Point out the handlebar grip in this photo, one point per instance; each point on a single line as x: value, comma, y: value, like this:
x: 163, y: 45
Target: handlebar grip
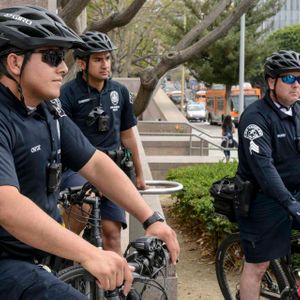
x: 136, y: 265
x: 116, y: 294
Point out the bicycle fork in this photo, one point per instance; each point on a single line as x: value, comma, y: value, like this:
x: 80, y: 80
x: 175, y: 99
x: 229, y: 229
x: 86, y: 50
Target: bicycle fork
x: 292, y: 291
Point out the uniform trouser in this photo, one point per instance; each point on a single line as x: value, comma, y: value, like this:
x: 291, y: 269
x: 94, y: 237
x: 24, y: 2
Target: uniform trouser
x: 23, y: 280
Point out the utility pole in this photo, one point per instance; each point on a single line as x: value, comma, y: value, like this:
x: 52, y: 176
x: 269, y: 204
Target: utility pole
x: 242, y: 64
x: 183, y: 72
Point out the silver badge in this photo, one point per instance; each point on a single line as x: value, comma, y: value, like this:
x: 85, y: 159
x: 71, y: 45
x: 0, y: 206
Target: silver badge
x: 114, y: 97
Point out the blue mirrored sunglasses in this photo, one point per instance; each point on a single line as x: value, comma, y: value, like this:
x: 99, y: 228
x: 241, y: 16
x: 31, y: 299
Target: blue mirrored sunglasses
x: 290, y: 79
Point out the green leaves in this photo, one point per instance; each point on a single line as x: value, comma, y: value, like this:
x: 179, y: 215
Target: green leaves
x: 194, y: 205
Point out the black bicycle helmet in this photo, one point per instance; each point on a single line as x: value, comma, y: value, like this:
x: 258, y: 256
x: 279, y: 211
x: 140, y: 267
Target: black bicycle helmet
x: 280, y: 62
x: 30, y: 27
x: 95, y: 42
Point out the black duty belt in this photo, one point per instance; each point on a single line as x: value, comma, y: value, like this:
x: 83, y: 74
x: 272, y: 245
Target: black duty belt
x: 115, y: 155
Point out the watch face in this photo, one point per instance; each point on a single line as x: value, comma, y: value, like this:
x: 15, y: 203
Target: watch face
x: 160, y: 215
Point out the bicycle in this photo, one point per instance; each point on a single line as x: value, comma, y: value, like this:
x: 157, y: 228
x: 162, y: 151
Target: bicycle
x: 90, y: 195
x: 149, y: 257
x: 279, y: 281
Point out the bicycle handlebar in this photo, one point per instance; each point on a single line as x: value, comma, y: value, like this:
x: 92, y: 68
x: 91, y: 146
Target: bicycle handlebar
x: 148, y: 259
x: 77, y: 194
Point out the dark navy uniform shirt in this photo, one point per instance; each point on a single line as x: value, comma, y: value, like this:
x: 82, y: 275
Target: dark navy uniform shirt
x: 268, y: 153
x: 115, y: 102
x: 26, y: 151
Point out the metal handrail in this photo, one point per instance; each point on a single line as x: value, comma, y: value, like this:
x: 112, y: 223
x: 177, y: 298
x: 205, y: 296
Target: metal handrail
x: 167, y: 187
x: 190, y: 135
x: 181, y: 123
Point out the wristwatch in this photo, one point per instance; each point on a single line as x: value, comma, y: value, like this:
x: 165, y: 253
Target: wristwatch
x: 156, y: 217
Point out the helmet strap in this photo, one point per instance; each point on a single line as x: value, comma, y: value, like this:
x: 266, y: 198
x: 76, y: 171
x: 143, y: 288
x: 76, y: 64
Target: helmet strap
x: 20, y: 90
x: 86, y: 72
x: 7, y: 74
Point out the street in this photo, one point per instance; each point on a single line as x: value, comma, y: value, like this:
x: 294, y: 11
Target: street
x: 216, y: 131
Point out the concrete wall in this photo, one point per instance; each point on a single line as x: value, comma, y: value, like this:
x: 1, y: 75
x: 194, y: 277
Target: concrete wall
x: 162, y: 107
x: 133, y: 84
x: 136, y: 230
x: 42, y: 3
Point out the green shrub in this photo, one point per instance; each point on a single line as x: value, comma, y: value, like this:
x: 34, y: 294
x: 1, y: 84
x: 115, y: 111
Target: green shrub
x: 194, y: 205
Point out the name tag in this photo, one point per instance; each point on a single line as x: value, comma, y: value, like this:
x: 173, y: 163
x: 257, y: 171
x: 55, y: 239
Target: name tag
x: 84, y: 100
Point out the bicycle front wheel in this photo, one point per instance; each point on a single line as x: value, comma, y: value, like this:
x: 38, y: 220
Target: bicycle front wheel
x: 229, y: 266
x: 82, y: 281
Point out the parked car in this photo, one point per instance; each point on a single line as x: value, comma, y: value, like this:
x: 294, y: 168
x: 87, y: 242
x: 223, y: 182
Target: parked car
x: 175, y: 96
x: 196, y: 111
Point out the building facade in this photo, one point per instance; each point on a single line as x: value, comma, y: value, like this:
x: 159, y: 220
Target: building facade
x: 289, y: 14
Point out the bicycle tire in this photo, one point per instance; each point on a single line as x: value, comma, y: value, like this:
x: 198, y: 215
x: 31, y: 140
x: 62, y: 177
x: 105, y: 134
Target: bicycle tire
x: 229, y: 266
x: 282, y: 269
x: 81, y: 280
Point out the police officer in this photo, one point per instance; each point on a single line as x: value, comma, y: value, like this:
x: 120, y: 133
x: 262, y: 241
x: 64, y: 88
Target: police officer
x: 269, y: 157
x: 102, y: 108
x: 36, y: 138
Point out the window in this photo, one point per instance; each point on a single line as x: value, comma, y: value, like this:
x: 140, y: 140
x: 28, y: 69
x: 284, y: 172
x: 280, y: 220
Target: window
x: 210, y: 102
x: 220, y: 103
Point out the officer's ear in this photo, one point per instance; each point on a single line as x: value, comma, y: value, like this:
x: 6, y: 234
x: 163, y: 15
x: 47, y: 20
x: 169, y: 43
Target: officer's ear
x: 14, y: 63
x: 81, y: 64
x: 271, y: 83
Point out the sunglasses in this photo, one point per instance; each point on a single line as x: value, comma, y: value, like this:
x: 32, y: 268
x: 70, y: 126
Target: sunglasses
x: 290, y: 79
x: 52, y: 57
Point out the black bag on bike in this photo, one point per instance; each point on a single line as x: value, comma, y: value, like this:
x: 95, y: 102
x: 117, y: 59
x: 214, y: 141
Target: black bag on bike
x: 225, y: 192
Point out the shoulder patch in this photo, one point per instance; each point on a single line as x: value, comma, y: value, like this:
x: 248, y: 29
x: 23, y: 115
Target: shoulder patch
x: 252, y: 132
x: 56, y: 104
x: 131, y: 97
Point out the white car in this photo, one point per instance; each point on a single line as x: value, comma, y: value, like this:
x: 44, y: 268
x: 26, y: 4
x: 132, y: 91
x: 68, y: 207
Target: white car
x: 196, y: 111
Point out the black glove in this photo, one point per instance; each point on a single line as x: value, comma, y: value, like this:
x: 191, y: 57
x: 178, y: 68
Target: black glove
x: 294, y: 209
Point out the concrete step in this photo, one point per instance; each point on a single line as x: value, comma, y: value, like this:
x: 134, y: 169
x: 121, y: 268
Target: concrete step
x: 174, y: 147
x: 161, y: 164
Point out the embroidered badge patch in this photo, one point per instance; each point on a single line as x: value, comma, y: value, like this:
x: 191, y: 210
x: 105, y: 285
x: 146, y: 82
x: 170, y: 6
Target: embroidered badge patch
x: 251, y: 133
x: 56, y: 104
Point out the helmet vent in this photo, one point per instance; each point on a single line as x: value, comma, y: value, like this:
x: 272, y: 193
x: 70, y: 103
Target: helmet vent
x: 30, y: 16
x: 32, y: 32
x: 51, y: 29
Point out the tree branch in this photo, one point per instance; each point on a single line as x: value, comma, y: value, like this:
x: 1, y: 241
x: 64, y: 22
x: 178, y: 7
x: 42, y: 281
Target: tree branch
x: 174, y: 58
x: 198, y: 29
x: 72, y: 10
x: 150, y: 77
x: 118, y: 19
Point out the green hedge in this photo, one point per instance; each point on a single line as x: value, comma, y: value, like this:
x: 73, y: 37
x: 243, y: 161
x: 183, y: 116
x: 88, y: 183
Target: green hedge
x: 194, y: 205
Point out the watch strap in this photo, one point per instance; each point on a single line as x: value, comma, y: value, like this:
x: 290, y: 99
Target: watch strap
x: 156, y: 217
